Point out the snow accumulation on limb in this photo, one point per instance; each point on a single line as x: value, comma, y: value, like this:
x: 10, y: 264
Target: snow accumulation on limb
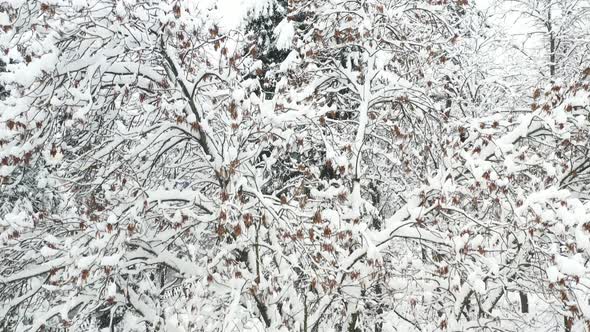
x: 35, y: 271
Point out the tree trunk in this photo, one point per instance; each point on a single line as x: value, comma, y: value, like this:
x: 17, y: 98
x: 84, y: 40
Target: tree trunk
x: 524, y: 302
x: 551, y: 43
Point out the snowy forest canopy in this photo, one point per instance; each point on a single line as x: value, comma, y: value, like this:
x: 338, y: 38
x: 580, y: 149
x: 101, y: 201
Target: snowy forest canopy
x: 301, y: 165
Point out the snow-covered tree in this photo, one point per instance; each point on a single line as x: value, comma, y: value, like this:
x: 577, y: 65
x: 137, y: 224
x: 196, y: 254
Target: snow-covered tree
x: 388, y: 86
x: 141, y: 113
x: 360, y: 165
x: 553, y: 35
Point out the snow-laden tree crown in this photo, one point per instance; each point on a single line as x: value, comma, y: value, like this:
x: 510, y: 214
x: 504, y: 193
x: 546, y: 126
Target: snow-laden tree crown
x: 304, y: 165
